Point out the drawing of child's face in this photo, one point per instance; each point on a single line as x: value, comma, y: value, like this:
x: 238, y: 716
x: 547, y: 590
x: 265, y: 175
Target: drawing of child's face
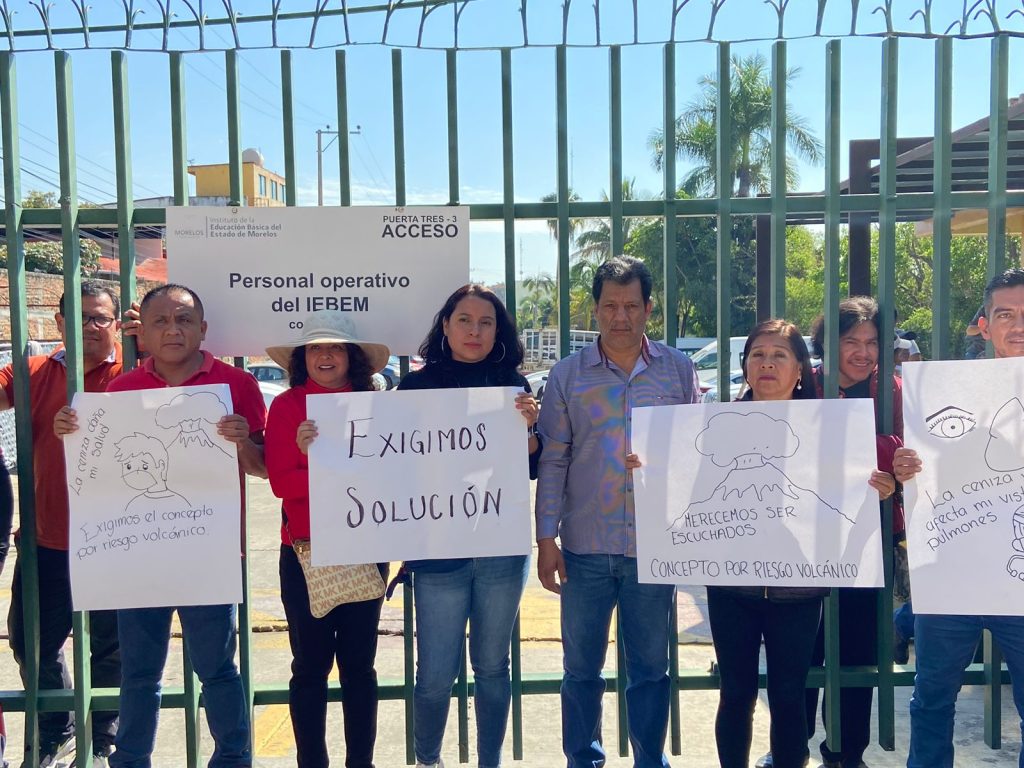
x: 141, y: 472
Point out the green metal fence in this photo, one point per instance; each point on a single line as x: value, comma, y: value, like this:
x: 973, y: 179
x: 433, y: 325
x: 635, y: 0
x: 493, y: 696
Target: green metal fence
x: 833, y: 206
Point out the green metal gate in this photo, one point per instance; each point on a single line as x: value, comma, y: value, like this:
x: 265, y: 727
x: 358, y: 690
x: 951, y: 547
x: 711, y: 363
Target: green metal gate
x: 834, y: 208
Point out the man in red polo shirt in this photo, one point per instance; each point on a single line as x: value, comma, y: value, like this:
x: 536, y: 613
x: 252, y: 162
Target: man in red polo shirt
x: 172, y: 333
x: 47, y: 381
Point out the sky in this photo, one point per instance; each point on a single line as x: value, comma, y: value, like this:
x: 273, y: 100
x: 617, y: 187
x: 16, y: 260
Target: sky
x: 484, y: 23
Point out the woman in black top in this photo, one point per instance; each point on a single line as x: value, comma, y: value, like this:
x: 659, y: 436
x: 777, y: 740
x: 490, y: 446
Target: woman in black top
x: 776, y: 366
x: 473, y: 343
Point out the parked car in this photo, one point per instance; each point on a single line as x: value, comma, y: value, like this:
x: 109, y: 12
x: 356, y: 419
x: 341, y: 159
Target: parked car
x: 691, y: 345
x: 538, y: 380
x: 271, y: 390
x: 706, y: 361
x: 709, y: 390
x: 269, y: 372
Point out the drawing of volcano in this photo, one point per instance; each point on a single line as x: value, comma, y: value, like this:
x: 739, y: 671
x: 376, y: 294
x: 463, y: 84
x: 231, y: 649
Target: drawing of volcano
x: 745, y: 443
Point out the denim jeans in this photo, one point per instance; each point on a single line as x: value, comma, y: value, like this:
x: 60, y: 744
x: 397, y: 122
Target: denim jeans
x: 209, y: 632
x: 945, y: 646
x: 348, y: 635
x: 596, y: 584
x: 54, y: 629
x: 789, y: 628
x: 903, y: 620
x: 486, y: 593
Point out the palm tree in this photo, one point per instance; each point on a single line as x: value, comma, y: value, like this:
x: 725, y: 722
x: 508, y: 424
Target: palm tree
x: 540, y: 299
x: 574, y: 224
x: 751, y: 113
x: 595, y: 243
x: 593, y: 248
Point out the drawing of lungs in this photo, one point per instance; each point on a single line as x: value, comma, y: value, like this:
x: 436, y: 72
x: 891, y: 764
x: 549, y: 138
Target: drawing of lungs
x: 1015, y: 565
x: 1005, y: 438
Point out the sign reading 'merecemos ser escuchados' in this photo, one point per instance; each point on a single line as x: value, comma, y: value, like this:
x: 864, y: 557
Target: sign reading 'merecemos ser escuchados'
x: 260, y: 271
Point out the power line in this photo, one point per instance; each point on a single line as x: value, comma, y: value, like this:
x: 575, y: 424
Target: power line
x: 81, y: 160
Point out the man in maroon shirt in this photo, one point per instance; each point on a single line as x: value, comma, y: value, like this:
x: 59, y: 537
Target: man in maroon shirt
x: 172, y: 333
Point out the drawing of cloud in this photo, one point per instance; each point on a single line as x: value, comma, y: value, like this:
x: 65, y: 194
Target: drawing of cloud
x: 202, y: 406
x: 1005, y: 436
x: 730, y: 435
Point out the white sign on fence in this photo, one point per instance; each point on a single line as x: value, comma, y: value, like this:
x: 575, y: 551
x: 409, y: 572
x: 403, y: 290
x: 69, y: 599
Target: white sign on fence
x: 767, y: 493
x: 260, y: 271
x: 419, y: 474
x: 154, y: 500
x: 965, y: 510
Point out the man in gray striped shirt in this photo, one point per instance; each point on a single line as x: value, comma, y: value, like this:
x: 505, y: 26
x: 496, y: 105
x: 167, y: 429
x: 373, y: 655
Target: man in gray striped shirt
x: 585, y: 498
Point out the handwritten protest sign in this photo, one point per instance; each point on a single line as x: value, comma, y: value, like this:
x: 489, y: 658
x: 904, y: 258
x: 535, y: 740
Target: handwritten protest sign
x: 261, y: 271
x: 155, y: 504
x: 418, y: 475
x: 767, y: 493
x: 965, y: 510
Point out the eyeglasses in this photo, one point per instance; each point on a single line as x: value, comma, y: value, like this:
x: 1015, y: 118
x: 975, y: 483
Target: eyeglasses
x: 100, y: 321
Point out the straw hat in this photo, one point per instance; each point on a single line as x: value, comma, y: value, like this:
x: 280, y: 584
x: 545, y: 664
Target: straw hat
x: 329, y: 326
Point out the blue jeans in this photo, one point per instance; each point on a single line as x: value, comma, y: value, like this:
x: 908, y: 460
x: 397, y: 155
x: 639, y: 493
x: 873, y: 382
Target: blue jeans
x: 486, y: 593
x: 945, y: 646
x: 209, y: 632
x: 596, y: 584
x: 903, y: 620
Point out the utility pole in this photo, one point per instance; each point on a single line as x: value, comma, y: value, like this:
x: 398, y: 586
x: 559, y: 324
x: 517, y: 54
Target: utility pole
x: 320, y: 133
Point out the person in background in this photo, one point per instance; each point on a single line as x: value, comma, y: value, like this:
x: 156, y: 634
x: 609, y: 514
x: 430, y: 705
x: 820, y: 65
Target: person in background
x: 776, y: 366
x: 974, y: 341
x: 585, y: 499
x: 859, y: 323
x: 901, y: 352
x: 172, y: 332
x: 945, y: 644
x: 472, y: 343
x: 326, y: 357
x: 48, y: 392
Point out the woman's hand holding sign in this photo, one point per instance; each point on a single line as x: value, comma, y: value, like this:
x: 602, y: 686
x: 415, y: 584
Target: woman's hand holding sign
x: 305, y: 435
x: 884, y: 483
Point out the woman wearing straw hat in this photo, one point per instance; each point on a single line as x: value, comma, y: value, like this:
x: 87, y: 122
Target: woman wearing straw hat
x: 326, y: 357
x: 472, y: 343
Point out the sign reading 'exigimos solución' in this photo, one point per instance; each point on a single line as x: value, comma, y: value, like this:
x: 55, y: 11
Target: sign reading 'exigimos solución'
x: 260, y: 271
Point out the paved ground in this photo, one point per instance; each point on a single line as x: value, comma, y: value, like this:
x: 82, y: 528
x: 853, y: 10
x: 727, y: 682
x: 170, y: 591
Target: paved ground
x: 541, y: 653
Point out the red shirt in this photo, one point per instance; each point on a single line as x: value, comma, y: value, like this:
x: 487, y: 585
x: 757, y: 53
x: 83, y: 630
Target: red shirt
x: 48, y: 393
x: 246, y: 398
x: 287, y: 466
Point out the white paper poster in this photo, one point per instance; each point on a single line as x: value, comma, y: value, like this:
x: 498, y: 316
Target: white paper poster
x: 261, y: 271
x: 965, y: 510
x: 418, y: 474
x: 154, y: 499
x: 767, y: 493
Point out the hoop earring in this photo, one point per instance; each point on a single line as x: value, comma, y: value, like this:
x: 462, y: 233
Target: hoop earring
x: 502, y: 352
x: 443, y: 339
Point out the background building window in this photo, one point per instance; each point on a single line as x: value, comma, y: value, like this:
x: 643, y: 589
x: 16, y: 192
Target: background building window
x: 273, y: 189
x: 263, y: 185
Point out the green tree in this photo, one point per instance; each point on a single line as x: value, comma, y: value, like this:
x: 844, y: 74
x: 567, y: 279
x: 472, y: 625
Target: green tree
x: 593, y: 248
x: 37, y: 199
x: 695, y: 273
x: 539, y: 302
x: 48, y: 255
x: 696, y: 132
x: 805, y: 279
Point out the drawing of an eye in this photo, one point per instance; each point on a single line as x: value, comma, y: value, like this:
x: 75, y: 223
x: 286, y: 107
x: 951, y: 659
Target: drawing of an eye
x: 951, y: 422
